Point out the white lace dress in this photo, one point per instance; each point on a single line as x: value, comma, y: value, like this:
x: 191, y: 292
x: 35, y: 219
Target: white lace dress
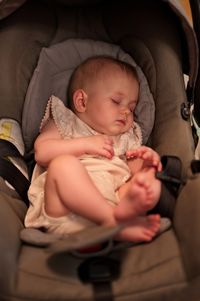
x: 108, y: 175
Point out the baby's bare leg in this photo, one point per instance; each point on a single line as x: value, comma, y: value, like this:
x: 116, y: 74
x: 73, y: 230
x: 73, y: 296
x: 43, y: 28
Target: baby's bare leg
x: 69, y: 188
x: 138, y: 195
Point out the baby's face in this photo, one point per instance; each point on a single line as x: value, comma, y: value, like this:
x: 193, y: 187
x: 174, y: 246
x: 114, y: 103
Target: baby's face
x: 111, y: 102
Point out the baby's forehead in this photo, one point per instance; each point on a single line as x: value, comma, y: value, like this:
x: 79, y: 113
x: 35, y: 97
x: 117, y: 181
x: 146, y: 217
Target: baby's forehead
x: 110, y: 66
x: 102, y: 70
x: 113, y: 70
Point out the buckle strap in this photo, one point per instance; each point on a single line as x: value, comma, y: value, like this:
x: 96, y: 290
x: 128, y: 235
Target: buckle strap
x: 10, y: 172
x: 8, y: 149
x: 171, y: 173
x: 100, y: 272
x: 195, y: 166
x: 12, y: 175
x: 171, y: 182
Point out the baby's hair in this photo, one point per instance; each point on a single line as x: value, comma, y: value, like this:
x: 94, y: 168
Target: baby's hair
x: 89, y: 70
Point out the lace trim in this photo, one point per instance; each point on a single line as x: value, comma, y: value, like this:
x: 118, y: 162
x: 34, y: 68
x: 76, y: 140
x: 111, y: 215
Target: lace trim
x: 56, y: 110
x: 65, y: 120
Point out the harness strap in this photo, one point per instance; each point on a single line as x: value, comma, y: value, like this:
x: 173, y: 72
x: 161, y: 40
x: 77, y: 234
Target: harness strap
x: 195, y: 166
x: 10, y: 172
x: 171, y: 180
x: 171, y: 172
x: 100, y: 272
x: 8, y: 149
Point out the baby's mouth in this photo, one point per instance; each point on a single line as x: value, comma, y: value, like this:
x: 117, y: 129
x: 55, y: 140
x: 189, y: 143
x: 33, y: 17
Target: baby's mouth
x: 121, y: 121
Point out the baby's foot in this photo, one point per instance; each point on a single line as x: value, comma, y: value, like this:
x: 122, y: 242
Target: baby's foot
x: 142, y: 229
x: 138, y: 196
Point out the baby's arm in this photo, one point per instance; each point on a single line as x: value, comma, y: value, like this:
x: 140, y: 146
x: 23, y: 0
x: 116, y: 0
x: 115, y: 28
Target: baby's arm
x: 49, y: 145
x: 143, y: 157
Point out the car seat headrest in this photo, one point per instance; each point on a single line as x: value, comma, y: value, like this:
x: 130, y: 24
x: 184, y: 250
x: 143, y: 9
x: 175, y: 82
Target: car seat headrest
x: 52, y: 74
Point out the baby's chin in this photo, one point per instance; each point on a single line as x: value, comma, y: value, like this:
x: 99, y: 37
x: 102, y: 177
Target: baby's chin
x: 113, y: 133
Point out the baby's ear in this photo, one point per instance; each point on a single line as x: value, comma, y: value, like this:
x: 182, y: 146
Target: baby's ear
x: 80, y: 100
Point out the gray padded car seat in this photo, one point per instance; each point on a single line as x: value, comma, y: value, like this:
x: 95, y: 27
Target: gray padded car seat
x: 161, y: 41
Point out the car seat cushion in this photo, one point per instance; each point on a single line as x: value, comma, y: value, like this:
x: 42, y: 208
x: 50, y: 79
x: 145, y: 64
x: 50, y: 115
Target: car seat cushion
x: 51, y: 76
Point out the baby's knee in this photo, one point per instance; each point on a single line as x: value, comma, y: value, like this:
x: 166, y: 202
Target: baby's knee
x: 62, y: 163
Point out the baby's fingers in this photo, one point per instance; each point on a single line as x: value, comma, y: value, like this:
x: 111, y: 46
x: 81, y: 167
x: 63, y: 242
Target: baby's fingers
x: 136, y: 153
x: 109, y: 148
x: 159, y: 166
x: 149, y: 155
x: 131, y: 154
x: 153, y: 159
x: 106, y: 153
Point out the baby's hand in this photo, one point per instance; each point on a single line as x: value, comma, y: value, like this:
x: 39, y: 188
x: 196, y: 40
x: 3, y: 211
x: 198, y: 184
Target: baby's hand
x: 101, y: 145
x: 150, y: 157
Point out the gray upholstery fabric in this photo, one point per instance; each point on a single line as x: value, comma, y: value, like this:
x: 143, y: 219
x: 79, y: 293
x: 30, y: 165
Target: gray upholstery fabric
x: 52, y: 74
x: 167, y: 268
x: 7, y: 7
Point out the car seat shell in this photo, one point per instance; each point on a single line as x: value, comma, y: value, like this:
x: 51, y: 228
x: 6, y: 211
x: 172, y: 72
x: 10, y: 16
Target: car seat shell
x: 169, y: 266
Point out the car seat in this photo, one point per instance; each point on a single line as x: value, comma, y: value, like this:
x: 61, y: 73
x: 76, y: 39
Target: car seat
x: 158, y: 36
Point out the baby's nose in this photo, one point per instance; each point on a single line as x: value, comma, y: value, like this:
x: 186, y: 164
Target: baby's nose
x: 126, y: 111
